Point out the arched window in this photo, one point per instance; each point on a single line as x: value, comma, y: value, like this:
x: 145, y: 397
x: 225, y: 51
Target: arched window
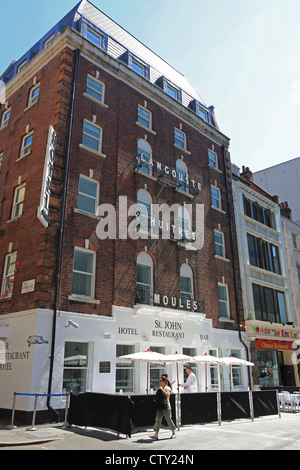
x: 184, y: 224
x: 187, y: 286
x: 144, y: 279
x: 144, y: 203
x: 182, y: 176
x: 144, y: 155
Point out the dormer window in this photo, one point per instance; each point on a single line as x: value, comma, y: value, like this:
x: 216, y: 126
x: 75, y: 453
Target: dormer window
x: 94, y: 37
x: 138, y: 67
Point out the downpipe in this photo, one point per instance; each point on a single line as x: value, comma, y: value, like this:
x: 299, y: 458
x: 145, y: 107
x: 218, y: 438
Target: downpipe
x: 234, y: 267
x: 60, y: 243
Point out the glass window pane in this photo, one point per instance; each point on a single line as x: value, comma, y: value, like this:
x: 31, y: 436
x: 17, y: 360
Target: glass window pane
x: 84, y: 261
x: 144, y: 274
x: 88, y: 187
x: 138, y: 67
x: 91, y: 130
x: 82, y: 284
x: 186, y: 284
x: 93, y: 37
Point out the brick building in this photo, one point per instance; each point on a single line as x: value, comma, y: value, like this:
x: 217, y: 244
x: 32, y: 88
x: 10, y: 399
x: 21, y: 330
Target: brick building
x: 94, y: 123
x: 270, y: 318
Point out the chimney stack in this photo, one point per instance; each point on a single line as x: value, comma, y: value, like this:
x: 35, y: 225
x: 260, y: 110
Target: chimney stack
x: 247, y: 173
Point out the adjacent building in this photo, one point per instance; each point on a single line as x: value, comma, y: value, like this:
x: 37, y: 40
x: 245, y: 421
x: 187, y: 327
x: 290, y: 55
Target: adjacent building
x: 96, y: 132
x: 284, y: 180
x: 270, y: 318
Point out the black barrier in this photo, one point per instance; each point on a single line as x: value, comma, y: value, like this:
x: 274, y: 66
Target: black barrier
x: 235, y: 405
x: 122, y: 413
x: 103, y: 411
x: 198, y: 408
x: 265, y: 403
x: 143, y: 412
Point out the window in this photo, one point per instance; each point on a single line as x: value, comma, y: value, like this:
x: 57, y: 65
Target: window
x: 219, y: 243
x: 184, y: 225
x: 83, y: 273
x: 18, y: 202
x: 223, y: 301
x: 257, y: 212
x: 180, y: 139
x: 92, y: 136
x: 156, y: 370
x: 212, y: 159
x: 34, y: 95
x: 144, y: 279
x: 202, y: 113
x: 94, y: 37
x: 124, y: 369
x: 144, y: 157
x: 216, y: 197
x: 1, y: 159
x: 88, y: 195
x: 182, y: 176
x: 95, y: 89
x: 263, y: 254
x: 22, y: 65
x: 8, y: 275
x: 144, y: 117
x: 5, y: 118
x: 294, y: 240
x: 144, y: 203
x: 298, y: 273
x: 236, y: 370
x: 269, y: 304
x: 76, y: 360
x: 138, y: 67
x: 26, y: 145
x: 50, y: 39
x: 186, y: 283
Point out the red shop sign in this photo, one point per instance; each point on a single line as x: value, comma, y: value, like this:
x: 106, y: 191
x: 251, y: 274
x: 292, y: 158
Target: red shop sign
x: 274, y: 345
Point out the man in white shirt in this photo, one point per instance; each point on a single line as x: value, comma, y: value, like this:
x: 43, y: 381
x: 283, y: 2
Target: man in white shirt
x: 191, y: 384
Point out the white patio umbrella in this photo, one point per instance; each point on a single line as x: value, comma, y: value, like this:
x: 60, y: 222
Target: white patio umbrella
x: 177, y: 358
x: 207, y: 359
x: 145, y: 356
x: 234, y: 361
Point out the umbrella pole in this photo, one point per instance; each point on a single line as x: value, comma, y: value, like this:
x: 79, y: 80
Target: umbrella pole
x: 230, y: 369
x: 206, y: 377
x: 148, y: 366
x: 178, y: 426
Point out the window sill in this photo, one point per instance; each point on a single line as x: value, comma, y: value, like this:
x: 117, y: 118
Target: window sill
x: 145, y: 128
x: 222, y: 258
x: 31, y: 105
x: 86, y: 95
x: 182, y: 149
x: 219, y: 210
x: 83, y: 300
x: 88, y: 214
x: 23, y: 156
x: 214, y: 168
x: 84, y: 147
x: 14, y: 218
x: 226, y: 320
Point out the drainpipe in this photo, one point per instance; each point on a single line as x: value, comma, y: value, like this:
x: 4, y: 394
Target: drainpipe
x: 234, y: 267
x: 61, y: 234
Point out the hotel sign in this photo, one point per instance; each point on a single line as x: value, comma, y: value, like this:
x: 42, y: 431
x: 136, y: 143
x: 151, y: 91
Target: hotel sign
x: 43, y: 209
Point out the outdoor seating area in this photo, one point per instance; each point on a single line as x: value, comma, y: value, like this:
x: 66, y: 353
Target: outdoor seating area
x: 289, y: 402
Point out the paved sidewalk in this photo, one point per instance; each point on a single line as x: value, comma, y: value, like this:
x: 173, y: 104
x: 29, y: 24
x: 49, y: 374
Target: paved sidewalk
x: 266, y: 433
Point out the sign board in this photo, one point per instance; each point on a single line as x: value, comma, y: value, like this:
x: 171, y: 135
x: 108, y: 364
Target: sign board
x: 43, y: 209
x: 274, y: 345
x: 28, y: 286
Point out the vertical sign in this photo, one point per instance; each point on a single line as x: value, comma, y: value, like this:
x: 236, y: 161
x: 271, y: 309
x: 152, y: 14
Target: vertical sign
x: 43, y: 209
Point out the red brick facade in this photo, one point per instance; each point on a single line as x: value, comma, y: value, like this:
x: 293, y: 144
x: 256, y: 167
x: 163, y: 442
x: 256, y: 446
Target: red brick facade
x: 115, y: 277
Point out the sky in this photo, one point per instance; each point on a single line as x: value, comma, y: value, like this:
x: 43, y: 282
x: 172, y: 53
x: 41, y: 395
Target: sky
x: 242, y: 56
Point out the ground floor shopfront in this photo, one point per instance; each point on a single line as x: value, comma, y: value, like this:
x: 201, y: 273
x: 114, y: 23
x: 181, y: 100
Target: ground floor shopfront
x: 273, y: 349
x: 87, y: 348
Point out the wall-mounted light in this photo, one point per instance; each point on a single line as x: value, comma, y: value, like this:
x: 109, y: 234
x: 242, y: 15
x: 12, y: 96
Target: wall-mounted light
x: 71, y: 323
x: 107, y: 336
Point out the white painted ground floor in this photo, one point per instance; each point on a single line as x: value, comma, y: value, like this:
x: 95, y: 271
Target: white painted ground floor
x: 87, y: 348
